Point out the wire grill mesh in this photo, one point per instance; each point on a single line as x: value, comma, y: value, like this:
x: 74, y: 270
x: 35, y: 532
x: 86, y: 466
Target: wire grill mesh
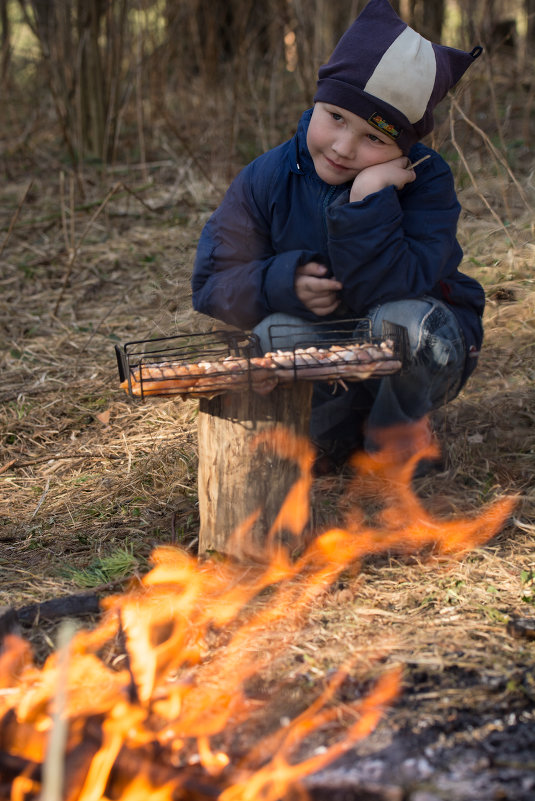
x: 344, y: 350
x: 175, y: 365
x: 223, y: 361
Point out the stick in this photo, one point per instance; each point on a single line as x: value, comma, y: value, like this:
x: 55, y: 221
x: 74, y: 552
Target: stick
x: 77, y: 605
x: 54, y: 764
x: 497, y: 155
x: 15, y: 464
x: 472, y: 178
x: 415, y: 163
x: 62, y: 209
x: 145, y: 205
x: 41, y: 499
x: 66, y: 606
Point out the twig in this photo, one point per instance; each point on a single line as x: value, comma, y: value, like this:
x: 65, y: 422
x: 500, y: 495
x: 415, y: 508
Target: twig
x: 76, y: 247
x: 15, y: 217
x: 134, y: 194
x: 491, y: 83
x: 471, y: 176
x: 53, y: 766
x: 415, y: 163
x: 173, y: 527
x: 72, y: 212
x: 56, y: 457
x: 53, y: 218
x: 75, y: 605
x: 65, y: 606
x: 185, y: 144
x: 41, y: 499
x: 7, y: 466
x: 497, y: 155
x: 62, y: 210
x: 129, y: 454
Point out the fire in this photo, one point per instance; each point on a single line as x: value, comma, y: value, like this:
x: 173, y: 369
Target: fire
x: 152, y: 702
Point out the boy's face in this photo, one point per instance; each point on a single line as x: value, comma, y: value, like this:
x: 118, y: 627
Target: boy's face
x: 342, y: 144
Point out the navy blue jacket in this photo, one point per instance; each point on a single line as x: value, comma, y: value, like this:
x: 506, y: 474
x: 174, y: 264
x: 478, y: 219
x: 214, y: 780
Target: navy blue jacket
x: 278, y: 214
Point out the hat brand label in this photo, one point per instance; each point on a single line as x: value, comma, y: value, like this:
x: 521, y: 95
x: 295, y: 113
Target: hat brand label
x: 379, y: 122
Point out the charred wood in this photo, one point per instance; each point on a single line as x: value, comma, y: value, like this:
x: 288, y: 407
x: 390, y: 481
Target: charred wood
x: 53, y: 609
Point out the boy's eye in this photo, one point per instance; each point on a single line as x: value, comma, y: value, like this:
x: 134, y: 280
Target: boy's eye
x: 374, y: 138
x: 336, y: 116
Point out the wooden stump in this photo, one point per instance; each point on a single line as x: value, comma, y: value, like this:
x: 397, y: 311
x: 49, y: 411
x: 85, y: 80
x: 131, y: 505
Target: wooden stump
x: 243, y: 484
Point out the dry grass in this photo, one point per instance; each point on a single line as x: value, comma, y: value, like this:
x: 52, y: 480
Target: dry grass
x: 87, y: 476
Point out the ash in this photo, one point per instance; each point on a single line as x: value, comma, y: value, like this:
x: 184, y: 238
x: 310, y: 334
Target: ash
x: 476, y: 760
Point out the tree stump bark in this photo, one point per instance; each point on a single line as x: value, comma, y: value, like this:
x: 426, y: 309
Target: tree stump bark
x: 248, y: 466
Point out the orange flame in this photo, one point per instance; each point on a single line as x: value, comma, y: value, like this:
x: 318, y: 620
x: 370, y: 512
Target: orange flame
x: 153, y: 707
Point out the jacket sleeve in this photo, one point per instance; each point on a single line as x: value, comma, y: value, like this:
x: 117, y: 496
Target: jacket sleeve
x: 394, y: 245
x: 238, y: 277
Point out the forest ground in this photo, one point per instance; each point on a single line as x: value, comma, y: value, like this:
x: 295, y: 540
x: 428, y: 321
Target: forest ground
x: 91, y: 482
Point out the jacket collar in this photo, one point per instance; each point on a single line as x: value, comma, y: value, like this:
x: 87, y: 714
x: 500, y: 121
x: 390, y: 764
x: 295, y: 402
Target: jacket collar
x: 300, y: 158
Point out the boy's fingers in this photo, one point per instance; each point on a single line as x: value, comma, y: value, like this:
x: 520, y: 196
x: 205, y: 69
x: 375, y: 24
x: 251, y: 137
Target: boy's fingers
x: 327, y: 303
x: 325, y: 297
x: 322, y: 310
x: 324, y: 284
x: 319, y: 286
x: 312, y: 268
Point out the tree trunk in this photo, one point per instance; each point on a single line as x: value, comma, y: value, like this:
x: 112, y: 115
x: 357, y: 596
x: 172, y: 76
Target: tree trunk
x: 249, y: 460
x: 91, y: 79
x: 530, y: 28
x: 427, y: 17
x: 5, y: 42
x: 433, y: 19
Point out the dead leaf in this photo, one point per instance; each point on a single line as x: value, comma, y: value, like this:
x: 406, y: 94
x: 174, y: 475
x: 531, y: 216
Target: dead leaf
x: 104, y: 417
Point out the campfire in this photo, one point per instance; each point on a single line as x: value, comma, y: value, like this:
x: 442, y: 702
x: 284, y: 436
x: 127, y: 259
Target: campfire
x: 155, y: 701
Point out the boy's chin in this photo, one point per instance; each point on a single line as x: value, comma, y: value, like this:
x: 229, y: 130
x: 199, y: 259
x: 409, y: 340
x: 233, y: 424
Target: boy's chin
x: 334, y: 180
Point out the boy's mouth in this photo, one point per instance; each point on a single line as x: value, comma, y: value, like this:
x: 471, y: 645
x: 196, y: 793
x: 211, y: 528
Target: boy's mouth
x: 335, y: 165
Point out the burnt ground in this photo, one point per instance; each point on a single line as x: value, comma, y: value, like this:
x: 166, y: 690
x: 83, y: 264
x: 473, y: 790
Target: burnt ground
x: 473, y: 754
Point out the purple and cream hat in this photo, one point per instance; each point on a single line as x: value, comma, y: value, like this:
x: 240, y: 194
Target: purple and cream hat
x: 391, y: 76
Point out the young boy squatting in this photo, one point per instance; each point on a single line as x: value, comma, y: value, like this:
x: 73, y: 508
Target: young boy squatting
x: 333, y: 224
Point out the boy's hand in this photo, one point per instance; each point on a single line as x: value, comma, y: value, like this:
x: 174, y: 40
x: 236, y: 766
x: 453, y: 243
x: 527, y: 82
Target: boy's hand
x: 378, y: 176
x: 317, y: 293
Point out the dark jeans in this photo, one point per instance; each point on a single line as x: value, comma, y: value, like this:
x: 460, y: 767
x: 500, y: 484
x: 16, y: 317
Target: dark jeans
x: 432, y: 379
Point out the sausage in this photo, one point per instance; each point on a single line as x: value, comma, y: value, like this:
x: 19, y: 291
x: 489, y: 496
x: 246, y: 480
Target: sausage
x: 351, y: 361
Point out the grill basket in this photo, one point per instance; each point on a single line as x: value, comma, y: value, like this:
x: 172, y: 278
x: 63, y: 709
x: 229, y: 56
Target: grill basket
x: 164, y: 355
x: 391, y: 352
x: 207, y: 364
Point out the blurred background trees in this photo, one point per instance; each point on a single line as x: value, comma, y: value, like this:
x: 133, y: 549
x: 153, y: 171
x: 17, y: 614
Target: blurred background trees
x: 126, y: 81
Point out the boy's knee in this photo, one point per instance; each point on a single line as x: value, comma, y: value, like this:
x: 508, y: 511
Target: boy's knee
x: 441, y: 341
x: 431, y: 326
x: 280, y: 331
x: 437, y: 346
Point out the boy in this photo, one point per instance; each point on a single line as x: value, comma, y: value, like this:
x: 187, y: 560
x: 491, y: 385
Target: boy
x: 335, y: 224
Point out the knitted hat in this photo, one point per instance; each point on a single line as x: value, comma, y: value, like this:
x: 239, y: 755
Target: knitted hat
x: 391, y: 76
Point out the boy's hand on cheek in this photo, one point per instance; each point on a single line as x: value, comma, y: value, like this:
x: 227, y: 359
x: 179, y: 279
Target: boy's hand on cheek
x: 373, y: 179
x: 317, y: 293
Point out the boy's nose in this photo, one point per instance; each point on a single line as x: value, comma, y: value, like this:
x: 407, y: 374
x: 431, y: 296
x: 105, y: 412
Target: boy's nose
x: 344, y: 147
